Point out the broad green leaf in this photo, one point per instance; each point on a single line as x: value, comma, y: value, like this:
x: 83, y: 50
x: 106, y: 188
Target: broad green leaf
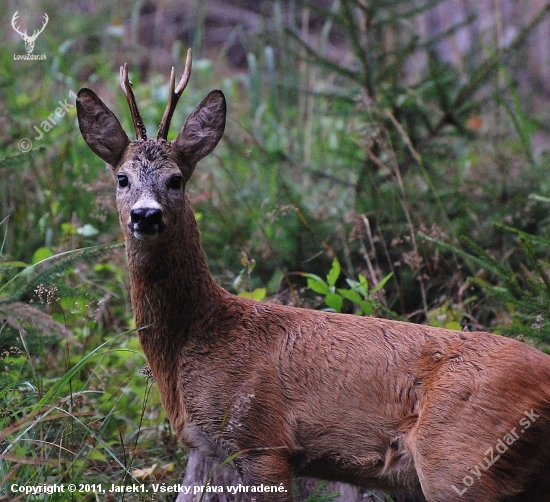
x: 366, y: 308
x: 318, y: 286
x: 352, y: 296
x: 41, y: 254
x: 334, y: 302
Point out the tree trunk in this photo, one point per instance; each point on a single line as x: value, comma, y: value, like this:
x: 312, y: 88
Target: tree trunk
x: 200, y: 467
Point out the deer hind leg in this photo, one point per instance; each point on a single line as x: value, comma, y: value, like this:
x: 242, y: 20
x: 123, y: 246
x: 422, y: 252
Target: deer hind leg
x: 472, y: 465
x: 452, y: 466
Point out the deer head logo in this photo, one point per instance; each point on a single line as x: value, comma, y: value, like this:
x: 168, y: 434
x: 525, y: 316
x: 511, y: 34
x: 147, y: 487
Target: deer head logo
x: 29, y: 40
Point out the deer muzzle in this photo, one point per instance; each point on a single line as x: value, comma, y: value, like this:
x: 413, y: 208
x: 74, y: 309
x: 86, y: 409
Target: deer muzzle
x: 146, y: 221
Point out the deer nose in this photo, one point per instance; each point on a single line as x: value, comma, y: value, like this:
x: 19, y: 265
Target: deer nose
x: 146, y: 221
x: 146, y: 216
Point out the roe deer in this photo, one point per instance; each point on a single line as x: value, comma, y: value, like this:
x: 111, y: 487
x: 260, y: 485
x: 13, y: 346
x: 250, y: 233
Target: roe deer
x: 446, y: 415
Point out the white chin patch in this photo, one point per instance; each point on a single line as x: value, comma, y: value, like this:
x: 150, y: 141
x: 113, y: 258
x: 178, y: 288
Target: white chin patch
x: 144, y: 237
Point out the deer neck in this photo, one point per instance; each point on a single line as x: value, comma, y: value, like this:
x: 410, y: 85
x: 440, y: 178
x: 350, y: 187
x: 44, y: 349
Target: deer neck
x: 174, y: 298
x: 171, y: 285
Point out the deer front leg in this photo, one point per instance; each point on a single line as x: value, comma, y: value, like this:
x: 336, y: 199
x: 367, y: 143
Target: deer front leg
x: 202, y: 469
x: 267, y: 478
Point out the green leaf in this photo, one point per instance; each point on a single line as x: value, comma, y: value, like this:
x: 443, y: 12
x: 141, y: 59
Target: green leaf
x: 96, y: 455
x: 312, y: 276
x: 257, y: 295
x: 46, y: 269
x: 41, y: 254
x: 352, y: 296
x: 334, y: 301
x: 366, y: 308
x: 382, y: 283
x: 363, y: 285
x: 68, y: 229
x: 352, y: 284
x: 12, y: 264
x: 334, y: 273
x: 453, y: 325
x: 317, y: 285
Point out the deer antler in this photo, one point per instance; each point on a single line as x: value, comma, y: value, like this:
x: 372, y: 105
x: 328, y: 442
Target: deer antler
x: 174, y: 97
x: 15, y: 27
x: 37, y: 32
x: 141, y: 133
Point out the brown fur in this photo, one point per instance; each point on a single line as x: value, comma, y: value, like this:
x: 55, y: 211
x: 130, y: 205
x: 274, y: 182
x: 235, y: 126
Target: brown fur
x: 371, y: 402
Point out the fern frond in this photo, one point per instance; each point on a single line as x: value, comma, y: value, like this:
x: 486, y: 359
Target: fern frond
x: 19, y: 316
x: 45, y: 271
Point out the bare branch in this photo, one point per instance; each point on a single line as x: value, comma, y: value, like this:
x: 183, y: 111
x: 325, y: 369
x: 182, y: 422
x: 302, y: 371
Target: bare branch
x: 174, y: 96
x: 141, y: 133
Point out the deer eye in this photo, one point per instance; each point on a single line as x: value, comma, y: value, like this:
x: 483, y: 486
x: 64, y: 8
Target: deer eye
x: 175, y: 182
x: 122, y: 181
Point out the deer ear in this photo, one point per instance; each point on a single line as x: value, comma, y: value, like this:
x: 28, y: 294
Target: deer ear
x: 202, y: 130
x: 100, y: 128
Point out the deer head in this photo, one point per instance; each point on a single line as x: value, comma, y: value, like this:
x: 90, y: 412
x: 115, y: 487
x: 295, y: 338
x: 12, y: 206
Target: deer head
x: 151, y: 174
x: 29, y: 40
